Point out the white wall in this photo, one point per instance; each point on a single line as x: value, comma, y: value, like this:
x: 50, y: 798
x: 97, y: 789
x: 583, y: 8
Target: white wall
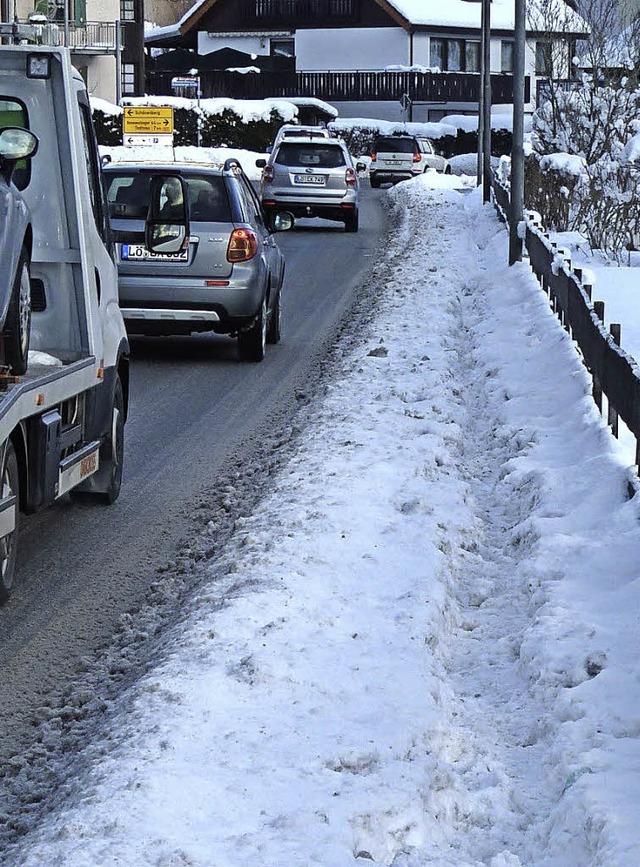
x: 349, y: 49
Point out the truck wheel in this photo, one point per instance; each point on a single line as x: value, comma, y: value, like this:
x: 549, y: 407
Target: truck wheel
x: 112, y: 449
x: 9, y: 485
x: 252, y: 342
x: 17, y: 325
x: 104, y: 486
x: 274, y: 328
x: 373, y: 180
x: 351, y: 222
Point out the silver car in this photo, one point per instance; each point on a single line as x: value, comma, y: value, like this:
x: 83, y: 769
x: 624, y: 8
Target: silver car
x: 311, y: 177
x: 16, y: 144
x: 400, y: 157
x: 228, y: 278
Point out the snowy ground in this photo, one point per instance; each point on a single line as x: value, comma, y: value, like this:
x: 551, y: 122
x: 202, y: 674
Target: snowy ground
x: 422, y: 649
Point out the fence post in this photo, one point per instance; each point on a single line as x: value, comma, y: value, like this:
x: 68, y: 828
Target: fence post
x: 598, y: 308
x: 614, y: 330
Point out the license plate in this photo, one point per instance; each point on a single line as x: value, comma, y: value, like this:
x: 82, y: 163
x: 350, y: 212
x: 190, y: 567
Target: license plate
x: 139, y: 252
x: 314, y: 180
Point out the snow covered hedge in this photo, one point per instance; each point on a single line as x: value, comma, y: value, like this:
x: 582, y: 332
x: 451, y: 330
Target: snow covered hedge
x: 583, y: 174
x: 246, y: 124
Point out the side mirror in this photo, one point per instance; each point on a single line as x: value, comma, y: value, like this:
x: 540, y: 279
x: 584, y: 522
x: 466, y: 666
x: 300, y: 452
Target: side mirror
x: 261, y: 163
x: 167, y: 225
x: 281, y: 221
x: 15, y: 144
x: 361, y: 167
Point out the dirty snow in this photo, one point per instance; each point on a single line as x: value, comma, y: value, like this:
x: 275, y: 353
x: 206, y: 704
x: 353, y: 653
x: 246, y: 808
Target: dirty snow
x: 422, y: 648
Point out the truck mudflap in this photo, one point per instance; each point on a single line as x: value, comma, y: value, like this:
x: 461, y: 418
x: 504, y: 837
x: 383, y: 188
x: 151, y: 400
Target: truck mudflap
x: 78, y: 467
x: 8, y: 513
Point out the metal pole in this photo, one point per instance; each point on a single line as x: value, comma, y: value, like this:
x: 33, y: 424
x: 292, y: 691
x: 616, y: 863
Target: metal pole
x: 118, y: 61
x: 486, y: 87
x: 517, y: 147
x: 199, y: 95
x: 66, y: 23
x: 481, y: 100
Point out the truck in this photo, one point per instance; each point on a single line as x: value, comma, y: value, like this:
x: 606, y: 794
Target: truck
x: 62, y: 418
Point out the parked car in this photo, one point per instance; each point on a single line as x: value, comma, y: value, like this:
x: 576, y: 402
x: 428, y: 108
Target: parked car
x: 16, y: 145
x: 311, y: 178
x: 227, y: 279
x: 400, y: 157
x: 294, y: 130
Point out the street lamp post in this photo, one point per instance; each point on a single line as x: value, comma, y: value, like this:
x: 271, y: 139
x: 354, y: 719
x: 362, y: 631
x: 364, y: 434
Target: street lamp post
x: 486, y: 100
x: 517, y: 147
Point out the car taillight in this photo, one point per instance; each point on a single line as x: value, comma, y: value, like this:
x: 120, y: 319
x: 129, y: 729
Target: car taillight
x: 416, y: 156
x: 350, y: 177
x: 243, y: 245
x: 374, y: 156
x: 267, y: 174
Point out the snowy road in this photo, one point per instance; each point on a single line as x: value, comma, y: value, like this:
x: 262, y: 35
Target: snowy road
x: 421, y: 649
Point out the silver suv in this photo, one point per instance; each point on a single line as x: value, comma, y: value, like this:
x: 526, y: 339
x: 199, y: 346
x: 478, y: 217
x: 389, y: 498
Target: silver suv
x: 400, y: 157
x: 16, y: 144
x: 227, y: 279
x: 311, y: 178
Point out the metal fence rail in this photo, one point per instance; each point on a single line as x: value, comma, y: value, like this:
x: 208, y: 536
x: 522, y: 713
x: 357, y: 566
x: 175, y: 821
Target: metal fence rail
x: 615, y: 374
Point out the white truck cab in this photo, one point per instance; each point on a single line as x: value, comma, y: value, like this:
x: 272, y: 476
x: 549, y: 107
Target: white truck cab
x: 62, y: 421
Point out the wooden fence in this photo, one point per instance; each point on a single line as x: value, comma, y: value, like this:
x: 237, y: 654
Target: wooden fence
x: 344, y: 86
x: 615, y: 374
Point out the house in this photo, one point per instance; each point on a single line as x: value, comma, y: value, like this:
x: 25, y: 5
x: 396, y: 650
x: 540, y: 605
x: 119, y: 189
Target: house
x: 378, y: 58
x: 105, y: 37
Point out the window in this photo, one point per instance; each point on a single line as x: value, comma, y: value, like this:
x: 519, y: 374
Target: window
x: 96, y: 192
x: 506, y: 56
x: 127, y: 10
x: 128, y: 78
x: 472, y: 56
x: 13, y: 113
x: 314, y: 155
x: 282, y: 48
x: 544, y: 64
x: 455, y: 55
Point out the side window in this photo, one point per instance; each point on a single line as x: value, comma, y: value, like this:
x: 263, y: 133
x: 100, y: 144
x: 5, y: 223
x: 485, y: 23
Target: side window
x: 14, y: 113
x: 252, y: 203
x: 96, y: 191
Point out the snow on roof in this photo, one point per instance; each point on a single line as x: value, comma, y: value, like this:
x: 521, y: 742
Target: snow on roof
x: 453, y: 13
x: 465, y: 13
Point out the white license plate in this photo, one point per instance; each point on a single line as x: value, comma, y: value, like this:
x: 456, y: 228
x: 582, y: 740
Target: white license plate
x: 138, y: 252
x: 314, y: 180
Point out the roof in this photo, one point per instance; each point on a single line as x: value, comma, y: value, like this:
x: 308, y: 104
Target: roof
x: 467, y: 13
x: 428, y: 13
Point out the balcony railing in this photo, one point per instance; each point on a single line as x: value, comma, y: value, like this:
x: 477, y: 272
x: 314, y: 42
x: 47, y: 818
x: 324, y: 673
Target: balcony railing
x: 291, y: 12
x: 92, y: 37
x: 345, y: 86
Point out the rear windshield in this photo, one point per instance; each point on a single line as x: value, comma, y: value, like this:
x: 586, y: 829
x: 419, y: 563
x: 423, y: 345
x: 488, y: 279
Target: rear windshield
x: 396, y: 145
x: 322, y: 156
x: 128, y: 195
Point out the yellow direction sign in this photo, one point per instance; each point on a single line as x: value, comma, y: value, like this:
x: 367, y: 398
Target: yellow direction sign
x: 148, y: 120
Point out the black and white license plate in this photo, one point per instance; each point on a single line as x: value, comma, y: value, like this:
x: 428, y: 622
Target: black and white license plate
x: 314, y: 180
x: 138, y: 253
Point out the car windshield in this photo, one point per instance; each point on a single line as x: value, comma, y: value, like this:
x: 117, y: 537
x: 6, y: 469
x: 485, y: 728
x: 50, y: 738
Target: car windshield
x: 396, y: 145
x: 128, y: 195
x: 312, y: 155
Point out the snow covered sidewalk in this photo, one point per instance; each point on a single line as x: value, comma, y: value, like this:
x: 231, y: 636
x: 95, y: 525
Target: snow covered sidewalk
x: 422, y: 649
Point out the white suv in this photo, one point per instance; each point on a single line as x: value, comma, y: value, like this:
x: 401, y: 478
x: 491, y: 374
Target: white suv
x: 400, y: 157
